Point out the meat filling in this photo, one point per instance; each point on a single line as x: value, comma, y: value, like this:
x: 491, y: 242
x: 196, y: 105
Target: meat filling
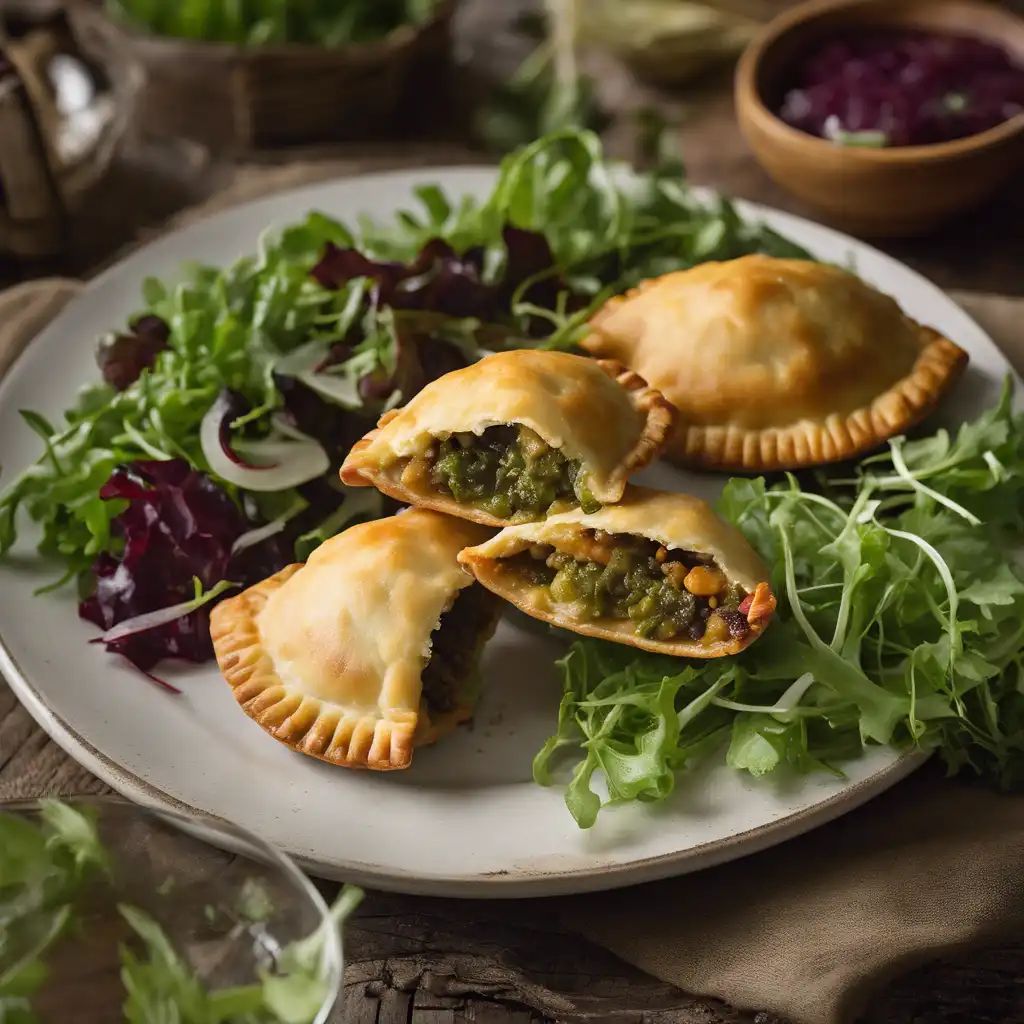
x: 667, y: 595
x: 455, y: 645
x: 506, y: 471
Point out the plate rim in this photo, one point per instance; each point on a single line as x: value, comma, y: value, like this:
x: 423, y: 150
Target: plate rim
x: 487, y: 885
x: 524, y: 882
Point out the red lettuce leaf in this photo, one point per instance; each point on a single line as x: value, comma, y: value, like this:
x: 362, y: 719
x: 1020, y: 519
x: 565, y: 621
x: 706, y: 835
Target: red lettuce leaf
x: 123, y: 357
x: 441, y: 281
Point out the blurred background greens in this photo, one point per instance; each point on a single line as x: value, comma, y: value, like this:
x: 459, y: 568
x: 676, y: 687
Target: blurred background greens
x: 263, y: 22
x: 669, y: 42
x: 663, y: 43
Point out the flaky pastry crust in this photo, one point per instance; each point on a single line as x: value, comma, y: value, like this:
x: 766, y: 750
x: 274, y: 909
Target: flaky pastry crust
x: 599, y: 412
x: 777, y: 364
x: 328, y: 657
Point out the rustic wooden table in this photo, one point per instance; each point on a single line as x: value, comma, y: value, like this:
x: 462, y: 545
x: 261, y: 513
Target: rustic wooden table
x: 428, y: 960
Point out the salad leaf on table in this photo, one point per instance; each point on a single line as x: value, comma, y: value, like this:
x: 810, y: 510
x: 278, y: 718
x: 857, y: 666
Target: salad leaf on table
x: 901, y: 621
x: 303, y: 345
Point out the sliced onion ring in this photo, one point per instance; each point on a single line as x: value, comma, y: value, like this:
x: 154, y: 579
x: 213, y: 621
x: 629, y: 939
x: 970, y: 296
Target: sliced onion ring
x: 282, y: 463
x: 162, y: 616
x: 302, y: 364
x: 261, y: 533
x: 218, y: 417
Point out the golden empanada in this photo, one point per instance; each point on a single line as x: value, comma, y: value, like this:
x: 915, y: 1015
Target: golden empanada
x: 657, y: 571
x: 776, y: 364
x: 367, y: 650
x: 514, y: 437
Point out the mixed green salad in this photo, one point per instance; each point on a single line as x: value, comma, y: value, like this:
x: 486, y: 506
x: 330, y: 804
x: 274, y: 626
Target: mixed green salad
x: 207, y: 459
x: 57, y: 879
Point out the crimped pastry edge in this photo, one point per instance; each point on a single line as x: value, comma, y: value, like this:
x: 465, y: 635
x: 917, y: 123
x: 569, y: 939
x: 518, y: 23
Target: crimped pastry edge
x: 939, y: 365
x: 305, y: 724
x: 810, y: 443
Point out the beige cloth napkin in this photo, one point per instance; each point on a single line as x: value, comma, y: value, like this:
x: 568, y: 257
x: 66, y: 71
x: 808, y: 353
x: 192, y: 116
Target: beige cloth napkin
x: 810, y: 929
x: 806, y: 930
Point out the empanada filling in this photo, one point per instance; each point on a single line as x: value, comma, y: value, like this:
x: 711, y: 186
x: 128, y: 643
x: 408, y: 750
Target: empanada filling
x: 508, y: 471
x: 455, y: 645
x: 667, y: 594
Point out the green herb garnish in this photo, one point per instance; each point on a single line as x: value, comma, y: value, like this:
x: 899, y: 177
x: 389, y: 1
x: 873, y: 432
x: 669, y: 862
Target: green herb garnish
x: 861, y: 140
x: 43, y: 870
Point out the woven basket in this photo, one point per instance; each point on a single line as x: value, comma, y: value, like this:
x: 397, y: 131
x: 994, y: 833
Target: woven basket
x: 231, y: 97
x: 40, y: 190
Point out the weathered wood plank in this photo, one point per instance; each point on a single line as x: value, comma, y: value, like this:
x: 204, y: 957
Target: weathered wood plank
x: 477, y: 953
x: 31, y: 764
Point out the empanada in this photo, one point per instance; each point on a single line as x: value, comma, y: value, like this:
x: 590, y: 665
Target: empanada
x: 657, y: 571
x: 514, y: 437
x: 367, y: 650
x: 776, y: 364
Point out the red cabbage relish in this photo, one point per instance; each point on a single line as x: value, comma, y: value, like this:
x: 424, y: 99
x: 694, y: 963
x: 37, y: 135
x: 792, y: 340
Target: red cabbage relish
x: 902, y: 88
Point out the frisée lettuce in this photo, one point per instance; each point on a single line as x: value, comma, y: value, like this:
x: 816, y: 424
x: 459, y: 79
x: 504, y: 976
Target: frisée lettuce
x: 900, y: 621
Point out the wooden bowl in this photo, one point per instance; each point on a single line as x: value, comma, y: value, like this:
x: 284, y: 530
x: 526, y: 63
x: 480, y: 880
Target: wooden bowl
x: 877, y: 193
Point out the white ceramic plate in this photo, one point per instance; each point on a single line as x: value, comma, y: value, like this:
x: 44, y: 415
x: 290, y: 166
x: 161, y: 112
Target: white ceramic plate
x: 466, y: 819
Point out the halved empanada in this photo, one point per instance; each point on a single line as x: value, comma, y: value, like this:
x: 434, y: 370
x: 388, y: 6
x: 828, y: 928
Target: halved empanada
x: 367, y: 650
x: 658, y: 571
x: 514, y: 437
x: 776, y: 364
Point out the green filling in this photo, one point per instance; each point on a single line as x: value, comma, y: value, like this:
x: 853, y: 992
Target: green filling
x: 634, y: 585
x: 509, y: 470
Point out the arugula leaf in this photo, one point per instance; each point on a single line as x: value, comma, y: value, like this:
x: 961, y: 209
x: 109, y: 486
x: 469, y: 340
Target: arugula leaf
x: 16, y: 1010
x: 74, y: 830
x: 161, y: 987
x: 751, y: 749
x: 534, y: 101
x: 619, y: 710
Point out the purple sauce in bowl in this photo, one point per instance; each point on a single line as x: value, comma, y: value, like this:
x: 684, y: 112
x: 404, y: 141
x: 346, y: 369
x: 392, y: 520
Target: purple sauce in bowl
x: 890, y: 88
